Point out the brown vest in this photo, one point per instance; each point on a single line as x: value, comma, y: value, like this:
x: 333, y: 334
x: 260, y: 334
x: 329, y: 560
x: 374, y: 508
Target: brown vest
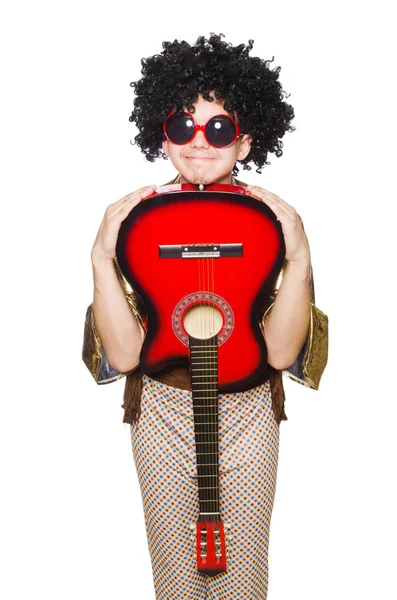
x: 179, y: 377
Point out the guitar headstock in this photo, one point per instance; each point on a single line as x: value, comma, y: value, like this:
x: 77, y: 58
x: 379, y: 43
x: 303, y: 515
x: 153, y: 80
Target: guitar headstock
x: 211, y: 541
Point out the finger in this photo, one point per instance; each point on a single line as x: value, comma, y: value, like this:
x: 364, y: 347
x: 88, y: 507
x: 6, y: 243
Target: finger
x: 147, y: 190
x: 130, y: 201
x: 271, y: 195
x: 272, y: 200
x: 278, y: 208
x: 275, y: 197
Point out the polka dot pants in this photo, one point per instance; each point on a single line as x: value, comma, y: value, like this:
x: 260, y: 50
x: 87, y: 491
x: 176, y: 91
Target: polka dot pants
x: 163, y: 446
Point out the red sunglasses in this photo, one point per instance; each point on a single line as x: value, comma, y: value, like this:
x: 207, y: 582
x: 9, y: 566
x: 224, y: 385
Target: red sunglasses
x: 220, y: 131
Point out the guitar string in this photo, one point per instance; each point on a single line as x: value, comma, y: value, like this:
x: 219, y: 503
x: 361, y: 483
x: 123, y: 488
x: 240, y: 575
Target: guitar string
x: 203, y: 447
x: 198, y: 418
x: 214, y: 403
x: 203, y: 373
x: 202, y: 419
x: 214, y: 371
x: 208, y: 385
x: 208, y: 379
x: 203, y: 458
x: 215, y: 412
x: 210, y: 394
x: 214, y: 416
x: 208, y: 420
x: 216, y: 365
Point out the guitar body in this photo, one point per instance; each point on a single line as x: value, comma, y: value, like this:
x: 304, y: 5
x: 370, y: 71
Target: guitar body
x: 150, y: 246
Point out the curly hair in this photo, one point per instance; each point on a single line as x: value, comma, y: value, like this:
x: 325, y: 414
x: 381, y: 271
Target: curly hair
x: 245, y: 84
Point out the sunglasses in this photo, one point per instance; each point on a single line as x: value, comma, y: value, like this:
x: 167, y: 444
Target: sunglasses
x: 220, y: 131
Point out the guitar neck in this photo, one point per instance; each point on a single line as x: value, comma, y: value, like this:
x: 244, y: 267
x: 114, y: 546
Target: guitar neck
x: 204, y: 374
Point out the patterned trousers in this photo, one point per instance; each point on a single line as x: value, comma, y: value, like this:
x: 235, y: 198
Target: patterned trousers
x: 163, y: 446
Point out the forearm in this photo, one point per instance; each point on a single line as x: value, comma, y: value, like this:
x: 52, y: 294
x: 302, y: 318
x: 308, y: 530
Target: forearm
x: 287, y: 324
x: 120, y: 333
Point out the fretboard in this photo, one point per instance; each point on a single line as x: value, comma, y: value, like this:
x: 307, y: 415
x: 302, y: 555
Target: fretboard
x: 204, y: 374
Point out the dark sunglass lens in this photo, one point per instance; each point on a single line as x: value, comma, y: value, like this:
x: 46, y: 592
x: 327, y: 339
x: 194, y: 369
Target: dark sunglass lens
x: 220, y: 131
x: 179, y: 128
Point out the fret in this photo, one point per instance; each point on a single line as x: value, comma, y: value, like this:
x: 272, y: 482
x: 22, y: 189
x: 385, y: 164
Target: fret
x: 207, y: 464
x: 211, y: 471
x: 207, y: 423
x: 205, y: 370
x: 209, y: 513
x: 207, y: 476
x: 213, y: 399
x: 214, y: 497
x: 209, y: 488
x: 206, y: 443
x: 205, y: 398
x: 212, y: 431
x: 206, y: 414
x: 199, y: 362
x: 200, y: 431
x: 203, y: 383
x: 200, y: 348
x: 202, y: 473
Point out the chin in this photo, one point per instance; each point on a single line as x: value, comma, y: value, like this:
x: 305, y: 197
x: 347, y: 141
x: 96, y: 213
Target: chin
x: 204, y: 177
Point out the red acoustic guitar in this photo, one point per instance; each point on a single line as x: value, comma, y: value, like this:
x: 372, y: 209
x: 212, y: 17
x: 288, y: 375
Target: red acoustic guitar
x: 202, y: 262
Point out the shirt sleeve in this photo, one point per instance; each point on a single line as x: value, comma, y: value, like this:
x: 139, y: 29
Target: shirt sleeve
x: 312, y: 359
x: 93, y: 354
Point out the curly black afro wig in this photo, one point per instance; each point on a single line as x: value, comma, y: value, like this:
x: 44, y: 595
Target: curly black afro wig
x: 245, y: 84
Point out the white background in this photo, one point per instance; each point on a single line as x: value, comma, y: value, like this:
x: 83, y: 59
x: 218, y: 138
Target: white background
x: 72, y: 523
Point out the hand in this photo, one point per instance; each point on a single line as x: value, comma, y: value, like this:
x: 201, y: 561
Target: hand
x: 104, y: 248
x: 296, y: 244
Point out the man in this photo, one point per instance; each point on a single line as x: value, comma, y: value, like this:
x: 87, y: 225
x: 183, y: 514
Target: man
x: 207, y: 107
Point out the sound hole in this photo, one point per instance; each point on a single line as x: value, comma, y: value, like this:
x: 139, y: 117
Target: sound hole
x: 203, y: 321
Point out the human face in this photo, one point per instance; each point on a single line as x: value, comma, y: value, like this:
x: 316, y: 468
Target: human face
x: 198, y: 161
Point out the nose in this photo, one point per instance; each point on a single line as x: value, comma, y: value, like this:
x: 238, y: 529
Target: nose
x: 199, y: 140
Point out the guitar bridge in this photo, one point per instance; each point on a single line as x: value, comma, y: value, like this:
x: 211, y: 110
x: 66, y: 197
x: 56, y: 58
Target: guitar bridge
x: 200, y: 250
